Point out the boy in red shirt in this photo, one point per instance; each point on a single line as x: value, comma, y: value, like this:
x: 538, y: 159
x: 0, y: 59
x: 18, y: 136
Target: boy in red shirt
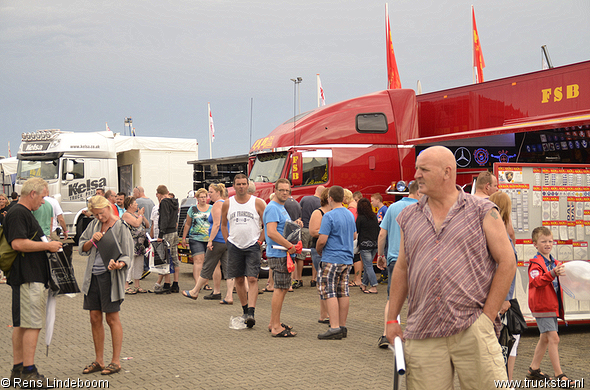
x: 546, y: 304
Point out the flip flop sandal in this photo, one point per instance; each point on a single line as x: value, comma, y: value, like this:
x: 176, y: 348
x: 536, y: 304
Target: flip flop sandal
x: 110, y: 369
x: 187, y: 293
x: 141, y: 290
x: 207, y: 288
x: 92, y: 367
x: 224, y: 302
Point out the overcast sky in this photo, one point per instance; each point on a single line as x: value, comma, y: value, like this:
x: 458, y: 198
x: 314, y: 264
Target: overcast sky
x: 74, y: 65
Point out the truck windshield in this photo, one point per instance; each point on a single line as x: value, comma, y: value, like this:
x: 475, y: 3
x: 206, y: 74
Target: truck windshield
x: 268, y: 167
x: 47, y: 170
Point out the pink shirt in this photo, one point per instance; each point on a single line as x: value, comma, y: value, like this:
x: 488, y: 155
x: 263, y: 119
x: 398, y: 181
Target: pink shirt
x: 449, y: 273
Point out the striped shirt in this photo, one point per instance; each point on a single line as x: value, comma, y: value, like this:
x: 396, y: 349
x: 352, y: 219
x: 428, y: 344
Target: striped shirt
x: 450, y: 272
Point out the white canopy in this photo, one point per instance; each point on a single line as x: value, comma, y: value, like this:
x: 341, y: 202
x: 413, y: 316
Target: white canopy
x: 124, y: 143
x: 9, y: 165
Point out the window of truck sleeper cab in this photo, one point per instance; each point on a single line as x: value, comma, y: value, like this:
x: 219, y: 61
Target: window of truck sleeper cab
x: 268, y: 167
x: 374, y: 122
x: 48, y: 170
x: 314, y: 171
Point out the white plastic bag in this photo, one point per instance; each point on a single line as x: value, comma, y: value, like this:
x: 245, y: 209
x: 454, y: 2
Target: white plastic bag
x: 237, y: 322
x: 576, y: 282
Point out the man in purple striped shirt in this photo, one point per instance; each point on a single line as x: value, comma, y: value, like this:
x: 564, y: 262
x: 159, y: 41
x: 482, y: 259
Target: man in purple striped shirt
x: 455, y: 267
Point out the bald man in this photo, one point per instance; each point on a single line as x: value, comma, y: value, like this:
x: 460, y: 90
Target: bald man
x: 455, y: 266
x: 486, y: 184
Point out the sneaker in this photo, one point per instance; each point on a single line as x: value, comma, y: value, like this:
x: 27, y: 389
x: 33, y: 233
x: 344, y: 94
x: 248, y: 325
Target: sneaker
x: 382, y: 279
x: 175, y: 289
x: 36, y: 380
x: 144, y: 275
x: 344, y: 331
x: 313, y: 283
x: 299, y: 283
x: 15, y: 374
x: 383, y: 342
x: 295, y: 284
x: 159, y: 289
x: 213, y: 297
x: 250, y: 321
x: 331, y: 334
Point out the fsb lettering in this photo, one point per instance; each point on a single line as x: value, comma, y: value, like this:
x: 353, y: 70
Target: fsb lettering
x: 571, y: 92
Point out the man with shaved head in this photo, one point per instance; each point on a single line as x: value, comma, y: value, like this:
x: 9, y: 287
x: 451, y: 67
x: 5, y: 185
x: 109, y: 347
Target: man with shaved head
x: 455, y: 267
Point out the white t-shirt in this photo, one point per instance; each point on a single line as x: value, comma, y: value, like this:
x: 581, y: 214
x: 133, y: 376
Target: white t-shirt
x: 56, y: 211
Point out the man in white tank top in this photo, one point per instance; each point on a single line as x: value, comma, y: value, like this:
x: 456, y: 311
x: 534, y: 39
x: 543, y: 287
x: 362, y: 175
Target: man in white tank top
x: 244, y: 213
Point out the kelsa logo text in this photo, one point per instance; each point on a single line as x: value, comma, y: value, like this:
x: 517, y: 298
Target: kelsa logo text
x: 90, y: 185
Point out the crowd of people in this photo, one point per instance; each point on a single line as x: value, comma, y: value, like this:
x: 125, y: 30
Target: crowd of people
x: 449, y: 254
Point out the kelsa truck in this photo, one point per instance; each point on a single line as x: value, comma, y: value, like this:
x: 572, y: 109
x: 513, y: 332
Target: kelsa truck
x: 75, y: 164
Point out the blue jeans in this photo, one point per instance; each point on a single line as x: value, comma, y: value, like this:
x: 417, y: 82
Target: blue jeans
x: 367, y: 256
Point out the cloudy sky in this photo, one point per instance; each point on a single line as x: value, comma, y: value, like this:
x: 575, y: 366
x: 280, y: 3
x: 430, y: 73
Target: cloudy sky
x: 75, y: 65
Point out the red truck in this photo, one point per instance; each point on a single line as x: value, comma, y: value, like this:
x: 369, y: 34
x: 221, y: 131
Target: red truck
x: 369, y: 143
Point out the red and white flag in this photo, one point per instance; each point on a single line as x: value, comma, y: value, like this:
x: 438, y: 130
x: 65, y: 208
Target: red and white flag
x: 478, y: 61
x: 107, y: 126
x: 393, y: 80
x: 321, y: 97
x: 211, y: 127
x: 9, y: 153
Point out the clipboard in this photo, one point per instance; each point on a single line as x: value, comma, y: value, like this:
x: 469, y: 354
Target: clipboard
x: 109, y: 248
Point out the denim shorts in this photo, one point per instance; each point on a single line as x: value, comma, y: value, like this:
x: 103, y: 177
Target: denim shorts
x: 197, y: 247
x: 243, y: 262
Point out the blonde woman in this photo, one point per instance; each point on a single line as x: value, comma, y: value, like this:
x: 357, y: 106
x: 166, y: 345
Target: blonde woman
x: 502, y: 200
x: 104, y: 287
x: 4, y: 202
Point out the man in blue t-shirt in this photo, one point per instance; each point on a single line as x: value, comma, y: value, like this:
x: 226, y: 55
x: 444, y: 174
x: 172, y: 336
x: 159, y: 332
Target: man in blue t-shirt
x: 274, y: 218
x: 335, y: 245
x: 389, y: 239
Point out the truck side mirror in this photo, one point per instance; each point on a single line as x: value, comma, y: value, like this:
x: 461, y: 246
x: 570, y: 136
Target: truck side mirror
x: 297, y: 169
x: 69, y: 177
x: 69, y: 168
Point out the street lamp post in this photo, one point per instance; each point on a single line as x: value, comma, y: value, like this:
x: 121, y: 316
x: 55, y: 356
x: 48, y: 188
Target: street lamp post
x: 296, y: 81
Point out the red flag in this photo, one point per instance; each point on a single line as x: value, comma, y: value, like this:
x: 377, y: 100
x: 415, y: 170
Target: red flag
x: 478, y: 61
x: 211, y: 127
x: 393, y: 81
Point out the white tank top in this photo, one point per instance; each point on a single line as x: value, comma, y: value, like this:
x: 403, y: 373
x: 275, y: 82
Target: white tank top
x: 244, y: 223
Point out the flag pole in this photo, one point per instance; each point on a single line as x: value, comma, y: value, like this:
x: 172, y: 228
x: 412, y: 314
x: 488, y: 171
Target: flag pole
x: 472, y: 47
x: 387, y: 41
x: 209, y: 121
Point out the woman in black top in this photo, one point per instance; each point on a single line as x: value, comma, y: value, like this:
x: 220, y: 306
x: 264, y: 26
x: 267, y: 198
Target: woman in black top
x: 367, y: 228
